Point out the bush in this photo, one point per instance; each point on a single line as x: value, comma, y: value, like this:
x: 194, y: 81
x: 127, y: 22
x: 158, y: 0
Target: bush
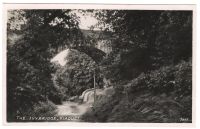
x: 77, y: 75
x: 160, y: 96
x: 147, y: 108
x: 42, y: 109
x: 165, y: 80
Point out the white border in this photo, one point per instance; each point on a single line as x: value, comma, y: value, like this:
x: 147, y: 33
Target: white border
x: 98, y: 6
x: 107, y: 1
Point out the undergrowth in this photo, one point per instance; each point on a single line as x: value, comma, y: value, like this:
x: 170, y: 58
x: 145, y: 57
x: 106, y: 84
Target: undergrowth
x: 160, y: 96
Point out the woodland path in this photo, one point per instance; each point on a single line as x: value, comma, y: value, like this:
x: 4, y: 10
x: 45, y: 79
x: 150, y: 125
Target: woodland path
x: 72, y: 109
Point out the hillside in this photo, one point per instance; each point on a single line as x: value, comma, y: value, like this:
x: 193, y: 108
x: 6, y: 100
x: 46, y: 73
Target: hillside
x: 162, y: 96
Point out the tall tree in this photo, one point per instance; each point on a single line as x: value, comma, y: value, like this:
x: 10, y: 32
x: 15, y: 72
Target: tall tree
x: 147, y: 39
x: 29, y: 70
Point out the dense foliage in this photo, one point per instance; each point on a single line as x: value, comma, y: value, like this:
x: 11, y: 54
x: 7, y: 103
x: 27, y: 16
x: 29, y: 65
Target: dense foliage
x: 151, y: 97
x: 146, y: 40
x: 29, y: 70
x: 151, y: 80
x: 77, y: 75
x: 150, y: 64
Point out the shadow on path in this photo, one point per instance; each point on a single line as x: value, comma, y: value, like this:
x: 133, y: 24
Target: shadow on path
x: 72, y: 109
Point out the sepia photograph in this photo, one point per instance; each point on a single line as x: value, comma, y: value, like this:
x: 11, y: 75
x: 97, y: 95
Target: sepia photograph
x: 109, y: 65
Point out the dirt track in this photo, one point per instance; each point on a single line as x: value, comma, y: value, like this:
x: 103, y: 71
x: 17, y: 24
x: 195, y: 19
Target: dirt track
x: 72, y: 109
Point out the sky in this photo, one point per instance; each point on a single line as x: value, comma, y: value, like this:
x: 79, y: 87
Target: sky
x: 61, y: 57
x: 86, y: 21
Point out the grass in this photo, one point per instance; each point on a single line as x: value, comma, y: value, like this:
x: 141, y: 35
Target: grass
x: 161, y: 96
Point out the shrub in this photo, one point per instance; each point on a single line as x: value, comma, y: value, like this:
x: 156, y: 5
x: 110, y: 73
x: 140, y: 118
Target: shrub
x: 165, y: 80
x: 42, y: 109
x: 160, y: 96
